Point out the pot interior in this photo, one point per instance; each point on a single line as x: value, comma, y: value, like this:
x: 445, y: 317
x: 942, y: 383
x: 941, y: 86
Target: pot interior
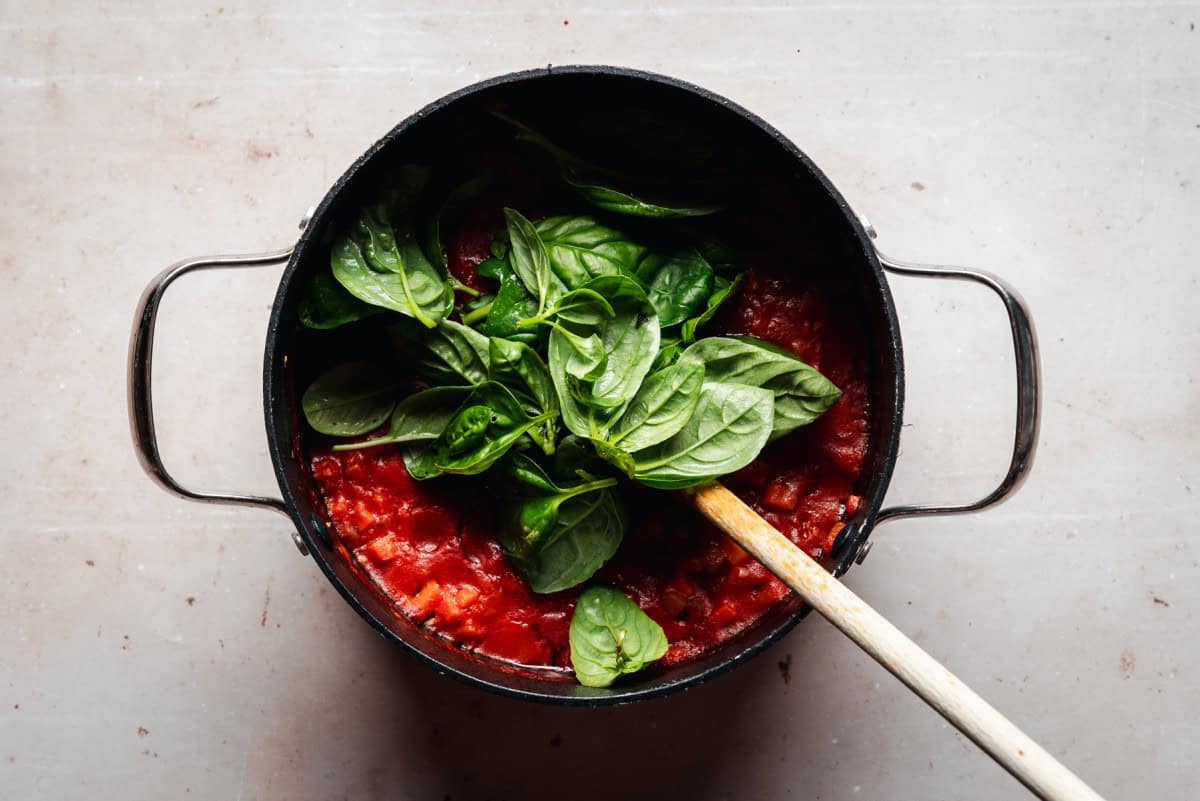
x: 647, y: 124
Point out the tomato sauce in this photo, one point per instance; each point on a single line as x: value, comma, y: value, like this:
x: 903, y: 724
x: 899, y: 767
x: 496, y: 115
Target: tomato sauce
x: 429, y: 547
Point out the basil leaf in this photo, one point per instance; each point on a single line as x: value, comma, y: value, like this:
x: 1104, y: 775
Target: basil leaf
x: 575, y: 458
x: 349, y: 400
x: 414, y: 288
x: 669, y: 352
x: 452, y: 355
x: 587, y: 532
x: 722, y: 290
x: 661, y: 407
x: 581, y: 249
x: 629, y: 339
x: 727, y: 430
x: 421, y: 417
x: 326, y: 304
x: 801, y: 393
x: 677, y: 284
x: 452, y: 210
x: 523, y: 371
x: 619, y: 202
x: 477, y: 309
x: 531, y: 263
x: 512, y: 305
x: 490, y: 422
x: 611, y: 636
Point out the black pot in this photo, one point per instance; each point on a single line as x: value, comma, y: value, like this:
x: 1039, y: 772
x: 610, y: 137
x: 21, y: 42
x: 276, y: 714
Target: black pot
x: 761, y: 161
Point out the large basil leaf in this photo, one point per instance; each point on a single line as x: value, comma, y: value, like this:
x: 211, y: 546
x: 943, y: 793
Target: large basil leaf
x: 558, y: 536
x: 490, y: 422
x: 581, y: 249
x: 618, y: 202
x: 349, y: 400
x: 677, y: 284
x: 421, y: 417
x: 531, y: 262
x: 801, y: 393
x: 729, y: 427
x: 661, y: 407
x: 452, y: 355
x: 723, y: 290
x: 522, y: 370
x: 326, y: 304
x: 415, y: 288
x: 611, y: 636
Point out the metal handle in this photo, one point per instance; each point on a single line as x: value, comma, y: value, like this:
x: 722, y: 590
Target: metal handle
x: 141, y: 351
x: 1028, y: 387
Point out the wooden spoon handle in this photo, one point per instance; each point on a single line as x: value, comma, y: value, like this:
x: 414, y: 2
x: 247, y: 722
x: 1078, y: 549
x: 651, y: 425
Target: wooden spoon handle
x: 1031, y: 764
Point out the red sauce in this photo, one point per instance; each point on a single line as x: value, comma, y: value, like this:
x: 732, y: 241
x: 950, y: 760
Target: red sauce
x: 435, y: 556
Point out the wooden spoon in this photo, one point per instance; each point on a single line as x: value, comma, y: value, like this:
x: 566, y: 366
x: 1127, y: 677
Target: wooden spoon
x: 1031, y: 764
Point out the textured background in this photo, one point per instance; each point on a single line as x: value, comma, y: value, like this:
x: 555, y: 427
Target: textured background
x: 157, y: 649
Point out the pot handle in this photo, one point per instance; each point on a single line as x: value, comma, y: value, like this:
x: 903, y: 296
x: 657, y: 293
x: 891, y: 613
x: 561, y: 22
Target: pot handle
x: 1028, y: 386
x: 141, y: 352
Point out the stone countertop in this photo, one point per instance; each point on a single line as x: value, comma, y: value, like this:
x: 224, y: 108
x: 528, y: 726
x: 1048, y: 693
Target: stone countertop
x: 159, y: 649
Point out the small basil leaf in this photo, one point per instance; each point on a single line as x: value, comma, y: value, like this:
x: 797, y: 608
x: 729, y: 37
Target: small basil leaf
x: 512, y: 305
x: 729, y: 427
x: 349, y: 400
x: 801, y: 393
x: 490, y: 422
x: 677, y: 284
x: 531, y: 263
x: 663, y: 405
x: 581, y: 249
x: 723, y: 290
x: 421, y: 417
x: 326, y: 304
x: 523, y: 371
x: 611, y: 636
x: 451, y: 355
x: 619, y: 202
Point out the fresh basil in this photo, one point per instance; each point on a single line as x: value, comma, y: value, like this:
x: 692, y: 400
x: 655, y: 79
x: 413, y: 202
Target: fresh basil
x: 611, y: 636
x: 421, y: 417
x: 349, y: 400
x: 558, y: 536
x: 414, y: 289
x: 452, y: 210
x: 723, y: 290
x: 531, y: 262
x: 522, y: 370
x: 663, y: 405
x: 730, y: 425
x: 487, y: 425
x: 618, y: 202
x: 451, y: 355
x: 678, y: 284
x: 581, y: 249
x: 801, y: 394
x: 513, y: 304
x: 326, y: 304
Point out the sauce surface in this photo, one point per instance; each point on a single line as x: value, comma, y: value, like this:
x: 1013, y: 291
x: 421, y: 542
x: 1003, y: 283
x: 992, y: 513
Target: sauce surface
x: 429, y: 548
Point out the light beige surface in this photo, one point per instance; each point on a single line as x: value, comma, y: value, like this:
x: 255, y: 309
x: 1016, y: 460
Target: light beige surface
x: 157, y: 649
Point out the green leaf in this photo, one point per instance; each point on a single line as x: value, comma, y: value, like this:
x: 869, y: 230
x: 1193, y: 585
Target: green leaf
x: 678, y: 284
x: 421, y: 417
x: 531, y: 263
x: 349, y: 400
x: 581, y: 249
x: 726, y: 432
x: 326, y: 304
x: 629, y: 339
x: 490, y: 422
x: 611, y: 637
x: 523, y: 371
x: 723, y: 290
x: 663, y: 405
x: 669, y: 352
x: 618, y: 202
x: 512, y: 305
x: 414, y: 288
x: 451, y: 355
x: 453, y: 208
x: 801, y: 394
